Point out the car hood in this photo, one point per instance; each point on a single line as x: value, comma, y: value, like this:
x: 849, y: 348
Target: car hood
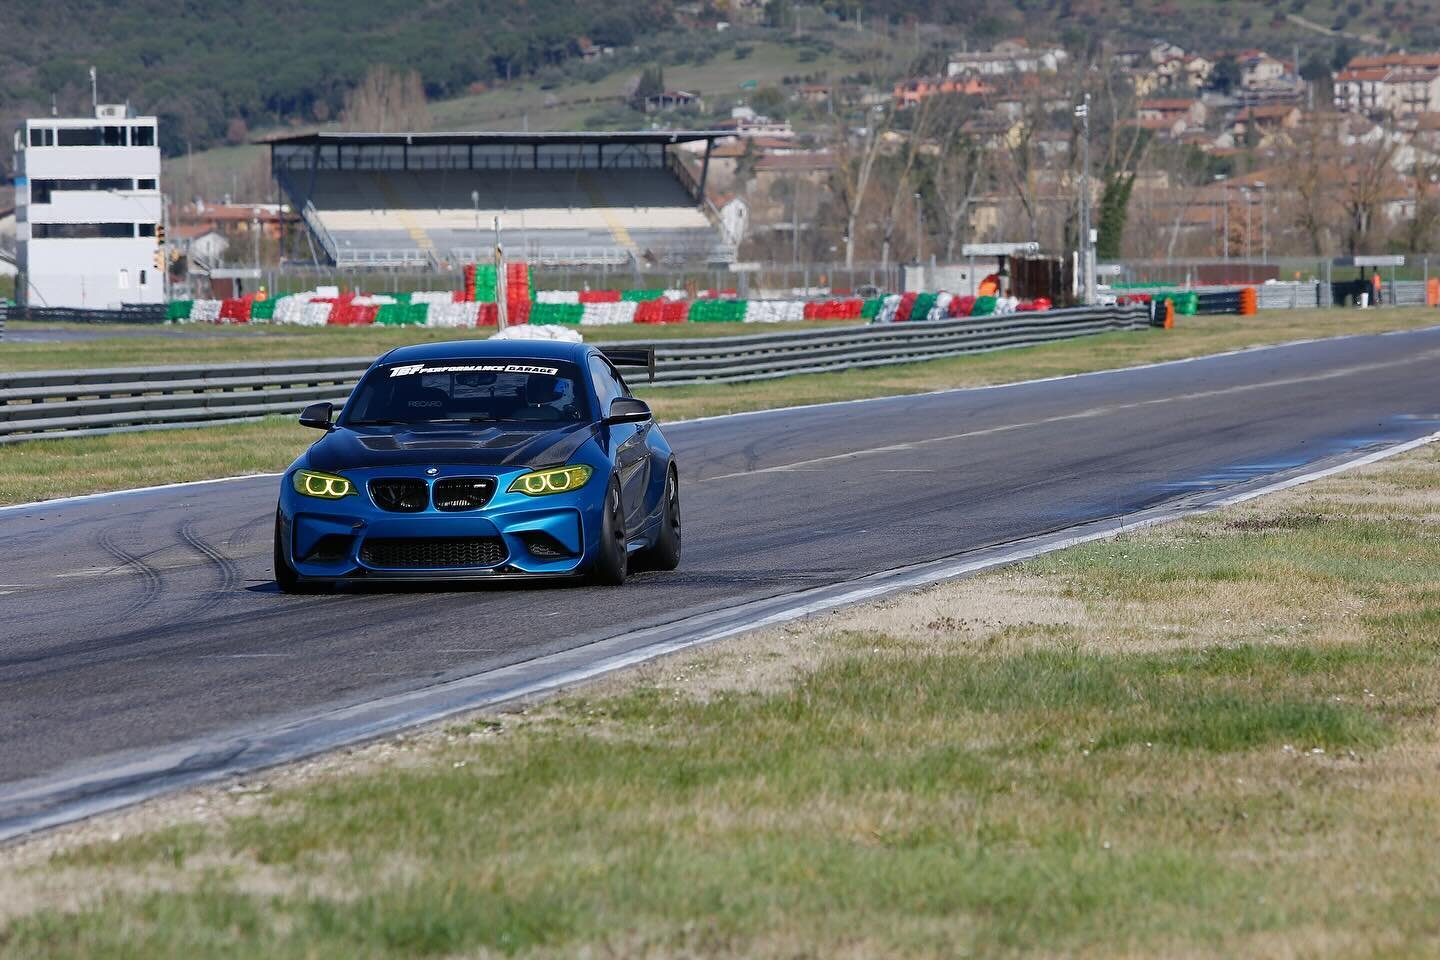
x: 502, y: 445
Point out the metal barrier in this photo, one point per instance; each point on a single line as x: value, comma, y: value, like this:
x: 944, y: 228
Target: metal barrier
x: 72, y: 403
x: 129, y: 313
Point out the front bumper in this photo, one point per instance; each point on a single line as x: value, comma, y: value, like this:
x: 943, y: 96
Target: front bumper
x: 513, y: 536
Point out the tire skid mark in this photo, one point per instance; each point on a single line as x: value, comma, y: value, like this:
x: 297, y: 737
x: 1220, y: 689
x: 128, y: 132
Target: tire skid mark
x: 227, y: 570
x: 151, y: 583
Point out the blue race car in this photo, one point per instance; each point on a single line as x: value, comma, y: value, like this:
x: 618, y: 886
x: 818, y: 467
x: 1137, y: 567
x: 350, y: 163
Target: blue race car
x: 482, y: 460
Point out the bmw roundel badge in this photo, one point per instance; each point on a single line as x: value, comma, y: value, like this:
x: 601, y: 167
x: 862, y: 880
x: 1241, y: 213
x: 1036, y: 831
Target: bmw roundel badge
x: 432, y: 471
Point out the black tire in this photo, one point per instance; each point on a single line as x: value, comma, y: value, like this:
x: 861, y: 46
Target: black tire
x: 609, y: 567
x: 285, y: 576
x: 665, y: 554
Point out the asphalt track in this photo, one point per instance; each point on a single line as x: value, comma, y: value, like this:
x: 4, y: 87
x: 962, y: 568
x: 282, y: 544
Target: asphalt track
x: 138, y: 622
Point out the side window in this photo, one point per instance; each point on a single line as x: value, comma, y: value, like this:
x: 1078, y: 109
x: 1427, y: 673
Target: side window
x: 607, y: 388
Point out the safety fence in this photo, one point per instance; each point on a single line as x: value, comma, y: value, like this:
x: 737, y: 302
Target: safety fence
x: 89, y: 402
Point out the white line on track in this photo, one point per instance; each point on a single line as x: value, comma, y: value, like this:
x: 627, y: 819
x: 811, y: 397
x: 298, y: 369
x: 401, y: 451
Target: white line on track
x: 1078, y: 415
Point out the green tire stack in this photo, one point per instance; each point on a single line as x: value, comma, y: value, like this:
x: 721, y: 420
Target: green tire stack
x: 179, y: 310
x: 485, y: 282
x: 717, y: 311
x: 984, y: 307
x: 548, y: 313
x: 640, y: 296
x: 262, y: 310
x: 923, y: 304
x: 871, y: 308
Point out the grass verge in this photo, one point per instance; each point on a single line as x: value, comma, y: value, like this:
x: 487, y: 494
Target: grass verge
x: 37, y: 470
x: 129, y: 346
x: 1208, y: 739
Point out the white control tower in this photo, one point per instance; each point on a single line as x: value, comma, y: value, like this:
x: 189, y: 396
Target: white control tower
x: 88, y: 213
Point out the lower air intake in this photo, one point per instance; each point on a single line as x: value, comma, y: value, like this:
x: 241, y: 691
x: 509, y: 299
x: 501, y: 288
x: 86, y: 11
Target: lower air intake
x: 430, y: 553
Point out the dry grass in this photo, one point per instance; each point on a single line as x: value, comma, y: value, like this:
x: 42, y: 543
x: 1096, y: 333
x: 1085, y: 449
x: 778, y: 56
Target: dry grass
x: 1214, y: 738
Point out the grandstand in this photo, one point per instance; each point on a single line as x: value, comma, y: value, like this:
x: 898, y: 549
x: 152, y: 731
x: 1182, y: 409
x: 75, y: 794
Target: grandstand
x: 563, y: 198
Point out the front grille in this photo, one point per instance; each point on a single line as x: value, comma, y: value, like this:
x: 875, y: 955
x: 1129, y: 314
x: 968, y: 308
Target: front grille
x: 463, y: 493
x: 427, y: 553
x: 400, y: 494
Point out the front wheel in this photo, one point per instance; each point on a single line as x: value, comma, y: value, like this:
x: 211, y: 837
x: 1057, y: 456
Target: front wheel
x: 665, y: 554
x: 611, y: 558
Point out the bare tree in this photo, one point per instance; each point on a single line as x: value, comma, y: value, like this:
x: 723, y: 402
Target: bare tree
x: 1369, y: 174
x: 388, y: 100
x: 854, y: 168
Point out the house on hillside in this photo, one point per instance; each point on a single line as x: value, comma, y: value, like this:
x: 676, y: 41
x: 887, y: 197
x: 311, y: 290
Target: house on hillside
x: 1258, y: 69
x: 1189, y: 113
x: 1008, y: 57
x: 1397, y: 85
x: 1260, y: 124
x: 671, y: 100
x: 909, y: 93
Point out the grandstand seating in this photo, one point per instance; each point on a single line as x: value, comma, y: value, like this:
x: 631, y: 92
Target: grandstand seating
x: 591, y: 215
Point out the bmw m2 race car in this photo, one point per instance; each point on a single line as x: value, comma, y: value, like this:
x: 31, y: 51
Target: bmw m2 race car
x: 482, y: 460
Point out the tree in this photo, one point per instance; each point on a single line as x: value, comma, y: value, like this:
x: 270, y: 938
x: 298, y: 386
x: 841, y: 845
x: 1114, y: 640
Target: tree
x: 854, y: 167
x: 1225, y: 77
x: 953, y: 177
x: 388, y: 100
x: 650, y: 84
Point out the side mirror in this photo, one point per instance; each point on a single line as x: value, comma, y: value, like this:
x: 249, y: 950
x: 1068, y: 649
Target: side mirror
x: 628, y: 410
x: 317, y: 415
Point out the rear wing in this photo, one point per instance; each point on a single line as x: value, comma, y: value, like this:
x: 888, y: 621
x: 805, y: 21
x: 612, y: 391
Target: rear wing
x: 632, y: 357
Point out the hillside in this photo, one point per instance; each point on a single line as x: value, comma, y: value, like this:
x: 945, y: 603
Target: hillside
x: 204, y: 65
x: 218, y: 72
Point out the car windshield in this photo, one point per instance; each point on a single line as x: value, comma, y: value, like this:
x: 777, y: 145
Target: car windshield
x: 469, y: 391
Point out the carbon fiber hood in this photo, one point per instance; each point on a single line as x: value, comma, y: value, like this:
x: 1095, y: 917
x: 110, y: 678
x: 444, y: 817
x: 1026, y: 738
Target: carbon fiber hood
x: 506, y: 445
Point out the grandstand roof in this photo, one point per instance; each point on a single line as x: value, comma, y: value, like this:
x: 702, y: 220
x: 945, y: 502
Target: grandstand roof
x: 504, y: 137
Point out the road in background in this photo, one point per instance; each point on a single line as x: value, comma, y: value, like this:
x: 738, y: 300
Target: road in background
x: 137, y: 621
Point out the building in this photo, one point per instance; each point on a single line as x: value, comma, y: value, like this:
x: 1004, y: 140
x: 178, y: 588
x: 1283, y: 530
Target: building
x: 910, y: 92
x: 1011, y: 56
x: 1395, y: 84
x: 88, y: 210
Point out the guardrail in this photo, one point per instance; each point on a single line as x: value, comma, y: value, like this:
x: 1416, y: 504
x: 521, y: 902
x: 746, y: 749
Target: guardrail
x: 130, y: 313
x: 73, y: 403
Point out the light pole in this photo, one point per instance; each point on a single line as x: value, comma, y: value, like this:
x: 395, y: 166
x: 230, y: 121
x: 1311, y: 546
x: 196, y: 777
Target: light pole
x: 1087, y: 285
x: 1225, y: 207
x: 475, y: 202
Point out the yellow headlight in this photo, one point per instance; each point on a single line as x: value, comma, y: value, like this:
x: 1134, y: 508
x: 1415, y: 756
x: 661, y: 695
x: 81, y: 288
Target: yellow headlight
x: 556, y: 480
x: 326, y: 486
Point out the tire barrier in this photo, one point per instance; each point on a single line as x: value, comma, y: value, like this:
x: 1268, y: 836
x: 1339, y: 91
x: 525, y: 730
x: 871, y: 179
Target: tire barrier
x: 87, y: 402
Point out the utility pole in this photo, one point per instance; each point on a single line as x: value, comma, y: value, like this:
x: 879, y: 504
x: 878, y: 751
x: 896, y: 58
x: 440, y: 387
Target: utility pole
x: 1087, y: 264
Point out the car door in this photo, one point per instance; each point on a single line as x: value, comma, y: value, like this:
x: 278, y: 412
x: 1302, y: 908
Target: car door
x: 628, y: 445
x: 629, y: 441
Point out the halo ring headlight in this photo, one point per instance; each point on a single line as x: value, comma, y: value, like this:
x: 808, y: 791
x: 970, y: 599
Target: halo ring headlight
x: 325, y: 486
x: 541, y: 483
